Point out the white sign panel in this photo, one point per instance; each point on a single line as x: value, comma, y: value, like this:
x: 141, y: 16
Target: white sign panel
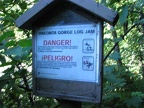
x: 68, y: 53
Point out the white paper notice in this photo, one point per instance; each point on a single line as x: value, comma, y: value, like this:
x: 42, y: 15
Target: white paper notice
x: 67, y: 53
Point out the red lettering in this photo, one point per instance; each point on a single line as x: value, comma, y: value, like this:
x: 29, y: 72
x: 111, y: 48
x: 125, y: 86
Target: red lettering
x: 68, y: 42
x: 44, y: 42
x: 57, y: 42
x: 63, y: 58
x: 49, y: 57
x: 57, y: 58
x: 45, y: 57
x: 48, y: 42
x: 69, y: 58
x: 62, y: 42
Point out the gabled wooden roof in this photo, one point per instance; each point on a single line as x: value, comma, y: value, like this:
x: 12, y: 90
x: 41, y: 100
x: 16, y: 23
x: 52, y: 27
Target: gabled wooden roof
x: 26, y: 20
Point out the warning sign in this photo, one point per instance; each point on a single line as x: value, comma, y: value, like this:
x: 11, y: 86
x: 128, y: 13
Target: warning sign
x: 88, y: 63
x: 67, y: 53
x: 88, y: 45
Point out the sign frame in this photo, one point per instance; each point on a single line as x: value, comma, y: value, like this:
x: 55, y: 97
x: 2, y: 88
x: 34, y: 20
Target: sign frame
x: 70, y: 89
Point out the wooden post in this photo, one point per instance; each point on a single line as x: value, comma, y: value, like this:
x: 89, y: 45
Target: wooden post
x: 70, y: 104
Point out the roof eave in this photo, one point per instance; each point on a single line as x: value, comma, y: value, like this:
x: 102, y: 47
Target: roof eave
x: 26, y: 20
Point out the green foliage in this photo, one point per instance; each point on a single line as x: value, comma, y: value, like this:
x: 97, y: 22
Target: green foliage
x: 123, y: 82
x: 16, y: 60
x: 124, y: 69
x: 133, y: 102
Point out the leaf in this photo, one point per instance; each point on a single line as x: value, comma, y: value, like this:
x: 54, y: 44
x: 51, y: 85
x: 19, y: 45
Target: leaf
x: 3, y: 47
x: 16, y: 51
x: 140, y: 3
x: 118, y: 39
x: 23, y: 5
x: 108, y: 88
x: 7, y: 63
x: 138, y: 94
x: 25, y: 42
x: 111, y: 96
x: 10, y: 43
x: 26, y: 51
x: 113, y: 79
x: 120, y: 82
x: 115, y: 55
x: 106, y: 40
x: 109, y: 69
x: 123, y: 14
x: 6, y: 35
x: 4, y: 77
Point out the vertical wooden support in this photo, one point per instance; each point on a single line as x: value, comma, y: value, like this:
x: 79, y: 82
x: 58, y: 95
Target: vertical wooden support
x: 70, y: 104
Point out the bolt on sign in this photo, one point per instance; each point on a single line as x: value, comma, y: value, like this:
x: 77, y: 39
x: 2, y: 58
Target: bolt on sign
x: 67, y: 47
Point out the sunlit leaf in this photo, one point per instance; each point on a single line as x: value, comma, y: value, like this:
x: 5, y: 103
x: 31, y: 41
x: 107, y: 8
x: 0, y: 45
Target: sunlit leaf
x: 25, y: 42
x: 10, y: 43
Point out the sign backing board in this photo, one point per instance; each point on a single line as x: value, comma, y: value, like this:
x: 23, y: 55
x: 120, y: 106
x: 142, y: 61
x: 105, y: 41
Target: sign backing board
x: 67, y: 61
x: 68, y: 53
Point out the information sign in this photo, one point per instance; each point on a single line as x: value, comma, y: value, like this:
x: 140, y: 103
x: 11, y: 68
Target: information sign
x: 68, y: 52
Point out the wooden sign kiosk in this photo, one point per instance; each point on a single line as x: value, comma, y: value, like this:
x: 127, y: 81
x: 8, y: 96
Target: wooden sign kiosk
x: 67, y: 47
